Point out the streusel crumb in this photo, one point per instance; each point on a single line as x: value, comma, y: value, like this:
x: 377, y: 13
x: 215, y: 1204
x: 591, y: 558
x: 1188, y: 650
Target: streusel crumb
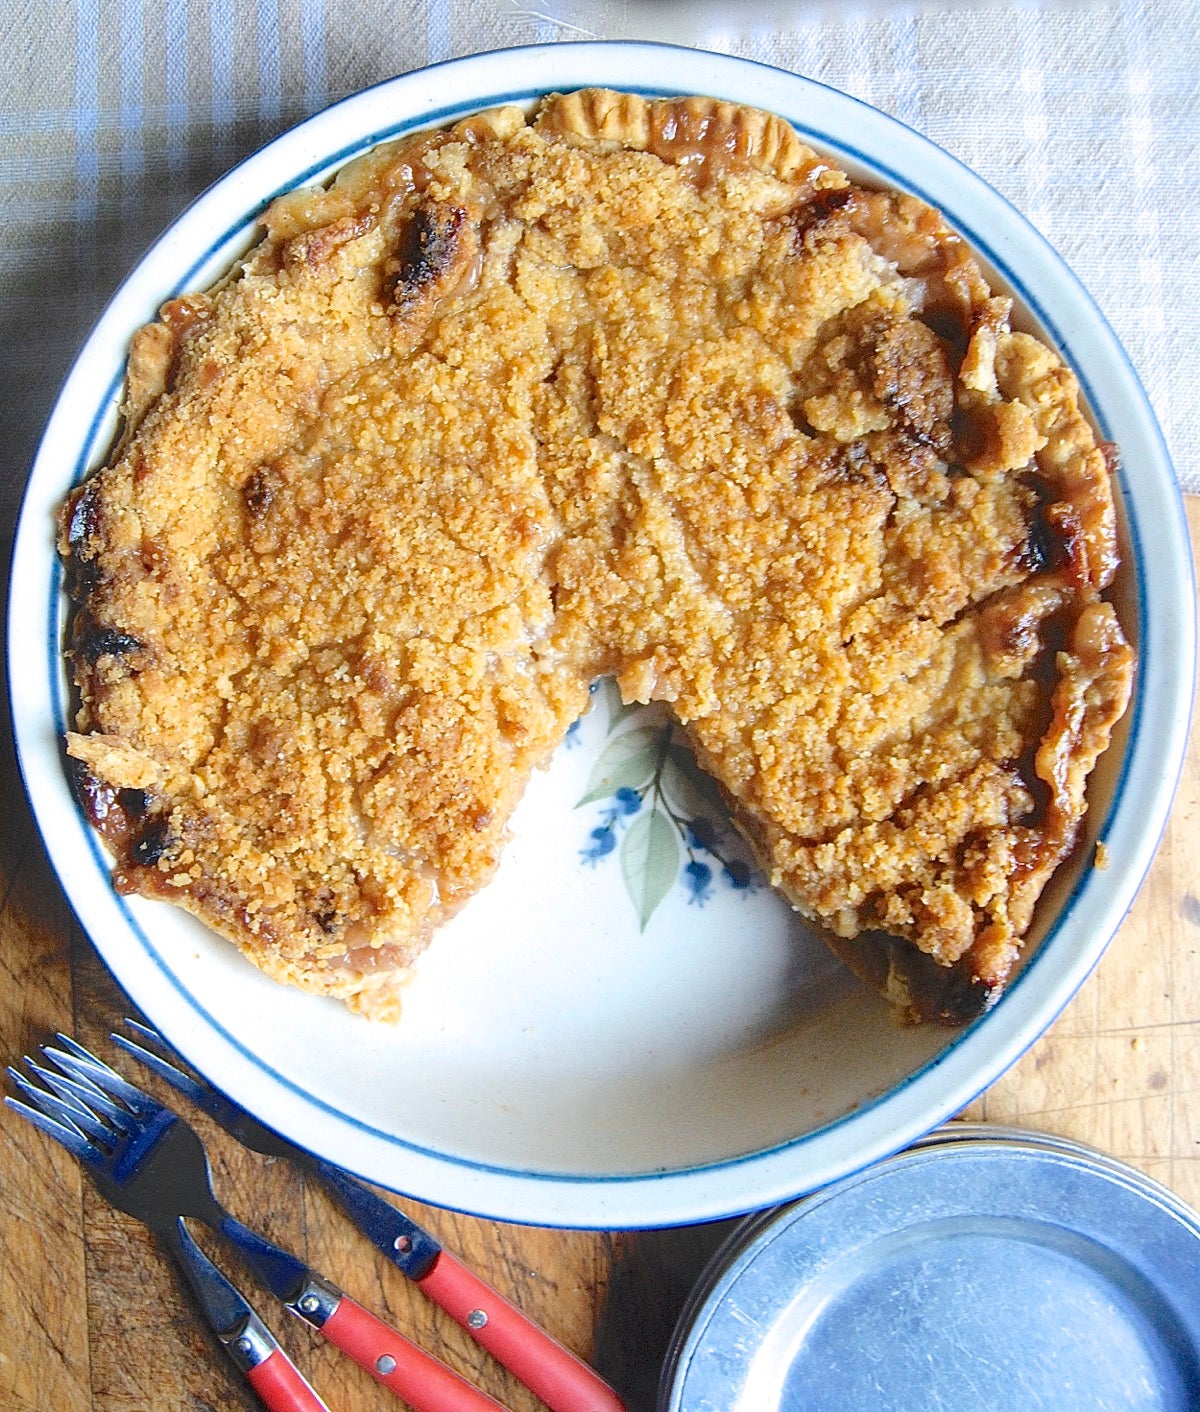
x: 647, y: 389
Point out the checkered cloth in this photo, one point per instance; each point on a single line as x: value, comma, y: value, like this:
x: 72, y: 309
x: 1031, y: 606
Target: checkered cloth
x: 115, y: 113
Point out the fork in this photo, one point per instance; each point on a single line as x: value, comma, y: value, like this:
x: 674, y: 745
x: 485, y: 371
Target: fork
x: 561, y: 1380
x: 250, y: 1345
x: 151, y: 1164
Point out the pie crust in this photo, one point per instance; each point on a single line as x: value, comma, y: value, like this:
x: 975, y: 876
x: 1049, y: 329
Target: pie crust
x: 646, y: 389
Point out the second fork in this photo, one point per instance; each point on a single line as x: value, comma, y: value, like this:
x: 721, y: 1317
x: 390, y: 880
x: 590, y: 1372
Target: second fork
x: 152, y: 1164
x: 564, y: 1382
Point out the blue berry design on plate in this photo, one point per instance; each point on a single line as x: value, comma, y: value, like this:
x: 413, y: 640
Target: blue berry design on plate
x: 603, y: 838
x: 662, y: 817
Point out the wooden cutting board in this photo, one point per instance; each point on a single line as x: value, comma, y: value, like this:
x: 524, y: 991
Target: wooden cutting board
x: 94, y: 1319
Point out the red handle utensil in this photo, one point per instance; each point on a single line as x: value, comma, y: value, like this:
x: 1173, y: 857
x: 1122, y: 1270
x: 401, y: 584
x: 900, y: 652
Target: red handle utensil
x: 281, y: 1387
x: 564, y: 1382
x: 561, y: 1380
x: 390, y: 1358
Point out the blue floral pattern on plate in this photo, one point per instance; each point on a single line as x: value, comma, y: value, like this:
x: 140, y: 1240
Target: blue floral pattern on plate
x: 662, y: 817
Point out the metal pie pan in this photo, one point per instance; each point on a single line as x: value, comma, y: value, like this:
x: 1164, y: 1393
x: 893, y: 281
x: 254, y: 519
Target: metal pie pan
x: 984, y: 1268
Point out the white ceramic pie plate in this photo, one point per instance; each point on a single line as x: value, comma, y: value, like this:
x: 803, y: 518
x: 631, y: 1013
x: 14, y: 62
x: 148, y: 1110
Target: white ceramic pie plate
x: 557, y: 1063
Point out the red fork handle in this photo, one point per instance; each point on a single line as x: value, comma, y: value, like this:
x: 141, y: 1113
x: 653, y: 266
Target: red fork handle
x: 563, y: 1382
x: 426, y: 1384
x: 281, y: 1387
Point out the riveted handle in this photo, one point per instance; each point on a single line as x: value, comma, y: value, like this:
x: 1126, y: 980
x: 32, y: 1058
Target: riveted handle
x: 424, y: 1382
x: 563, y: 1382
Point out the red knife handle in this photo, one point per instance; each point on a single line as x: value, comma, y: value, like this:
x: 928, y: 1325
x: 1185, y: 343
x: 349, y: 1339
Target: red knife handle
x: 424, y: 1382
x: 281, y: 1387
x: 563, y: 1382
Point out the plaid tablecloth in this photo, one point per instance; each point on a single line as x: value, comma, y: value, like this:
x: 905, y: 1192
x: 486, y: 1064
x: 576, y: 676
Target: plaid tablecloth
x: 114, y: 113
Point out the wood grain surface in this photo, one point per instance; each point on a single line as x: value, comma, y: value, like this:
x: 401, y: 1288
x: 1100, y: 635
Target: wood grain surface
x: 94, y: 1320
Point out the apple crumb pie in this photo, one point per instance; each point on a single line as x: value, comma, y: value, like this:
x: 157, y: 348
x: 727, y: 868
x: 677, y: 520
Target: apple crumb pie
x: 620, y: 387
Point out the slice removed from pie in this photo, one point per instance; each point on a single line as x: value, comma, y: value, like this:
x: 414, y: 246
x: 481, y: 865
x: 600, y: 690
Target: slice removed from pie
x: 620, y: 387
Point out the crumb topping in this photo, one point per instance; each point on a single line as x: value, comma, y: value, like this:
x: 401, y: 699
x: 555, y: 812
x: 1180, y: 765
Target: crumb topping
x: 647, y: 389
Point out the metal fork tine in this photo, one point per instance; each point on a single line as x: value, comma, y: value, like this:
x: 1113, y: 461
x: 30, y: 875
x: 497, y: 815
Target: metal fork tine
x: 158, y: 1171
x: 70, y: 1137
x: 231, y: 1116
x: 89, y: 1093
x: 62, y: 1108
x: 63, y: 1102
x: 76, y: 1050
x: 46, y: 1077
x: 79, y: 1063
x: 158, y: 1065
x: 84, y: 1058
x: 144, y: 1032
x: 96, y: 1068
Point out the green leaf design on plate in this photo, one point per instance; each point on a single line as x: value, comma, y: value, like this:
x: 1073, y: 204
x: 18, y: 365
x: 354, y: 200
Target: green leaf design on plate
x: 649, y: 862
x: 691, y: 792
x: 609, y: 696
x: 629, y: 761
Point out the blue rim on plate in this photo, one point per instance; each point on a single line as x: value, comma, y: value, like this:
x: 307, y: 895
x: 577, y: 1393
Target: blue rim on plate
x: 643, y: 1194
